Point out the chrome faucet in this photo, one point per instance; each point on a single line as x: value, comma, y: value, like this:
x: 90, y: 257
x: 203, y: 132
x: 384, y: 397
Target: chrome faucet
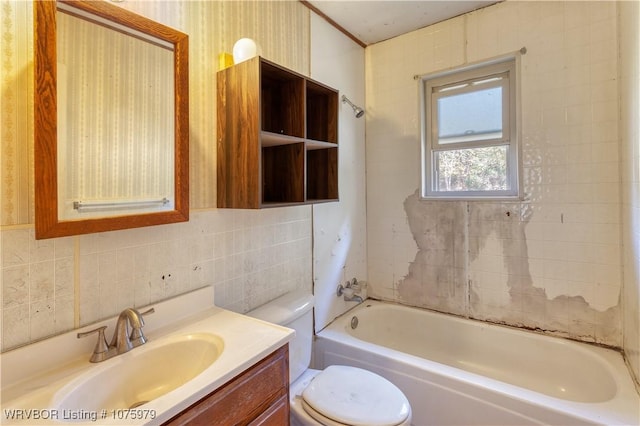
x: 122, y: 337
x: 127, y: 335
x: 349, y: 291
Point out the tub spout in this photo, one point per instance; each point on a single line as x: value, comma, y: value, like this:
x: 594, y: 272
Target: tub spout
x: 349, y: 291
x: 353, y: 298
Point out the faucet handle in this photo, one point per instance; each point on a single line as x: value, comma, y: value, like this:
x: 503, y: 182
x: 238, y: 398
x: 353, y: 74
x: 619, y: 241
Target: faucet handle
x: 137, y: 337
x: 354, y: 284
x: 148, y: 311
x: 142, y: 314
x: 101, y: 350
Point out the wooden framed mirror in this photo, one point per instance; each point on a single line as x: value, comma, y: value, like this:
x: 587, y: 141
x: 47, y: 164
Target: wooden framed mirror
x: 111, y: 130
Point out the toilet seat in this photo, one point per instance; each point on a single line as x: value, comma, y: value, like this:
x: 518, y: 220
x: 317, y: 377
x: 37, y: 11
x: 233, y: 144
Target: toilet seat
x: 324, y: 421
x: 343, y: 395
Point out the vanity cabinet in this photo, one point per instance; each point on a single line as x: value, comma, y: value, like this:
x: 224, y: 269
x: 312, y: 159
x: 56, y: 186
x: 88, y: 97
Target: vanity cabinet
x: 277, y: 137
x: 257, y: 396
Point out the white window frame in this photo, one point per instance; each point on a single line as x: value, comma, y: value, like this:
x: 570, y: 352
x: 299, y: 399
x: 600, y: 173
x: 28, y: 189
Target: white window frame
x: 460, y: 80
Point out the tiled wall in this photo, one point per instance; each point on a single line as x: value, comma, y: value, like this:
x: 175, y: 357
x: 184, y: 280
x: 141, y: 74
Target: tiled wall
x: 629, y: 31
x: 339, y: 231
x: 37, y: 286
x: 51, y: 286
x: 550, y: 261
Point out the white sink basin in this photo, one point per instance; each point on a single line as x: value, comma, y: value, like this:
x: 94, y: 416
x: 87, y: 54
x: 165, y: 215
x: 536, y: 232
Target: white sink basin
x: 141, y: 375
x: 194, y: 349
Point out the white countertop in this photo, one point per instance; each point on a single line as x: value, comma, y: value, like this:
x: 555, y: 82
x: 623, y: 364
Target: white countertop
x: 32, y: 375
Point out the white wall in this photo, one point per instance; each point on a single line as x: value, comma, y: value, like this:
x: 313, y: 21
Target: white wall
x: 339, y: 229
x: 551, y: 261
x: 629, y: 33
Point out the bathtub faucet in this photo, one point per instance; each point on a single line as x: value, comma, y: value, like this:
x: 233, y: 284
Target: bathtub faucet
x: 349, y: 291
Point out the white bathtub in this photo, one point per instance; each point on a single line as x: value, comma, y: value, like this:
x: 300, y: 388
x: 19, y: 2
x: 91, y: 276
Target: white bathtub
x: 462, y: 372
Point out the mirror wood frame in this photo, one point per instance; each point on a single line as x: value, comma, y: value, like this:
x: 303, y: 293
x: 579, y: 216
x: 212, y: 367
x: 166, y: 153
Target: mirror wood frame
x: 47, y: 222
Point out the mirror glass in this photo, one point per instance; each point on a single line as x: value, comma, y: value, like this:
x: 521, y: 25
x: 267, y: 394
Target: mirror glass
x: 114, y: 96
x: 120, y: 147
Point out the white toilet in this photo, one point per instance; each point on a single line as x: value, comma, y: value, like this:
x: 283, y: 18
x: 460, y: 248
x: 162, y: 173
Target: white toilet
x: 338, y: 395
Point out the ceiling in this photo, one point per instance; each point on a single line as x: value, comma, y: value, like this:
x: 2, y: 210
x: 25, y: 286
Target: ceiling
x: 371, y: 21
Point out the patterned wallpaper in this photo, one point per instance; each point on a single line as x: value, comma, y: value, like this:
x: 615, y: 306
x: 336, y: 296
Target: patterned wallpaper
x: 115, y: 109
x: 281, y: 30
x: 16, y: 102
x: 54, y: 285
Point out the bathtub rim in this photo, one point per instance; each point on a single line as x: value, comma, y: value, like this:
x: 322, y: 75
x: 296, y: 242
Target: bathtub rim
x: 618, y: 409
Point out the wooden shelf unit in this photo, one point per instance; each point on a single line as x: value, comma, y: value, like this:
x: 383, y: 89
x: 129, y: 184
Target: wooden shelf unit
x: 277, y: 138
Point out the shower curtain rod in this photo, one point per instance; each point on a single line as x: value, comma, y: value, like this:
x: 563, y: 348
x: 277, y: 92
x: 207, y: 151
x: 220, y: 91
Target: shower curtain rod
x: 500, y: 58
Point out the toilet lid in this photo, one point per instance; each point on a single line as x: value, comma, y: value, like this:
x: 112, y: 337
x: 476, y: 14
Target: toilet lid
x: 354, y: 396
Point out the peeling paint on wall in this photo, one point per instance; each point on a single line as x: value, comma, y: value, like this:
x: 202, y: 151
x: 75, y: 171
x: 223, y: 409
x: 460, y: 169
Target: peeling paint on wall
x: 473, y: 260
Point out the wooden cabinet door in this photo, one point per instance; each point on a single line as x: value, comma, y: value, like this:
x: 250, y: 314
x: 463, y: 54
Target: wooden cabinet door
x: 259, y: 395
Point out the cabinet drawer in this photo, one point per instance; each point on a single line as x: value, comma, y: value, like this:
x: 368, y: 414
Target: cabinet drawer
x: 276, y: 415
x: 245, y: 398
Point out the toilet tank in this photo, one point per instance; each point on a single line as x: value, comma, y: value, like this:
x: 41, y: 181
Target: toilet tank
x: 292, y: 310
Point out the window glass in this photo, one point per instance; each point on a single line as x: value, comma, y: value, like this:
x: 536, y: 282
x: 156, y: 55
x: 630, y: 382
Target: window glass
x: 470, y: 116
x: 474, y: 169
x: 469, y: 135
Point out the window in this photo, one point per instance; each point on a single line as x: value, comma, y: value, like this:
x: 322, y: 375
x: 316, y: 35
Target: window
x: 469, y: 133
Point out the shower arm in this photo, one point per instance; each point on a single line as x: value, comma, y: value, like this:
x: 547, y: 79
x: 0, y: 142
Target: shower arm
x: 359, y: 112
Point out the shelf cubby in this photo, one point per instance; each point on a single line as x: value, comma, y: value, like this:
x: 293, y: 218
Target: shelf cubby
x: 281, y: 101
x: 322, y: 113
x: 322, y: 174
x: 283, y: 173
x: 277, y: 137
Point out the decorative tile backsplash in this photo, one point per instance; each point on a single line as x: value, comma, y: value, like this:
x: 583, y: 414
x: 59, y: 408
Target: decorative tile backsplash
x: 51, y: 286
x: 37, y: 286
